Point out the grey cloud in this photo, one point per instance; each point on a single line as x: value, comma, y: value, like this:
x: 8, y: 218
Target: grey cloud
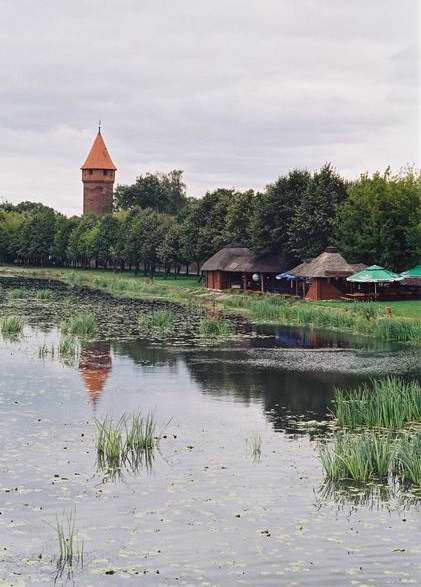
x: 234, y: 92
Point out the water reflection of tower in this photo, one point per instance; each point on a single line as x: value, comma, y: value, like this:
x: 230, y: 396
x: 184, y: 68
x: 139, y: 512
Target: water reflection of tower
x: 95, y: 366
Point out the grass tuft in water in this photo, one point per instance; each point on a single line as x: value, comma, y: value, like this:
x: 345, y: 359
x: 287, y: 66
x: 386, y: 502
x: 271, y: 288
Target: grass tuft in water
x: 69, y: 347
x: 11, y: 326
x: 17, y: 293
x: 44, y: 294
x: 215, y: 326
x: 158, y: 320
x: 254, y: 446
x: 70, y: 552
x: 408, y: 458
x: 360, y: 457
x: 387, y: 403
x: 126, y: 443
x: 83, y: 325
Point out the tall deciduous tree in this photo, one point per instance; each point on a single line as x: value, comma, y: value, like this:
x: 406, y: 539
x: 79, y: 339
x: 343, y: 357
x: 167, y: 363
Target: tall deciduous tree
x: 162, y: 192
x: 310, y: 230
x: 380, y: 222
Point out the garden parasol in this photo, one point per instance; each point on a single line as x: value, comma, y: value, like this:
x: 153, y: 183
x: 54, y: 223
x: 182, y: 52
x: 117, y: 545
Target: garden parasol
x: 374, y: 274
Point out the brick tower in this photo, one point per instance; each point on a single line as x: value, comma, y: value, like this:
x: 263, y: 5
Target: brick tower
x: 98, y: 174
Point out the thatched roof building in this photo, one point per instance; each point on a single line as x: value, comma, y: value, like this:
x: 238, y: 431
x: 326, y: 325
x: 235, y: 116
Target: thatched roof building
x: 235, y: 263
x: 329, y: 264
x: 327, y: 272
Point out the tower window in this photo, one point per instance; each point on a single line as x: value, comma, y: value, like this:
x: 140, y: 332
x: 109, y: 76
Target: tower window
x: 90, y: 172
x: 105, y: 172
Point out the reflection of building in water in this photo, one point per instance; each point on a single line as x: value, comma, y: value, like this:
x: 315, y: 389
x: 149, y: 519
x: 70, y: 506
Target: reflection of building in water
x: 95, y: 366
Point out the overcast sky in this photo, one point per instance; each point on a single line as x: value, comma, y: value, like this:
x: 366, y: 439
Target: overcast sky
x: 234, y: 92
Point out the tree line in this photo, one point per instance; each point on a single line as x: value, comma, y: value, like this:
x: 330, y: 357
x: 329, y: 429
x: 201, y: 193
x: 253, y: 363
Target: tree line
x: 155, y: 225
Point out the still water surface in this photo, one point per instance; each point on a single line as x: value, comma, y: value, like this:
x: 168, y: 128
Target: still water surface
x: 208, y: 513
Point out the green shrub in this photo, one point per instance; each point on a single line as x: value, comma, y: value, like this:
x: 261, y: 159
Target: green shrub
x: 44, y: 294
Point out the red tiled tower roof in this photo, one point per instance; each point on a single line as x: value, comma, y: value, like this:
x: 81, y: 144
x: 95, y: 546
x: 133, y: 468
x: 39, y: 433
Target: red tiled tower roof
x: 99, y: 157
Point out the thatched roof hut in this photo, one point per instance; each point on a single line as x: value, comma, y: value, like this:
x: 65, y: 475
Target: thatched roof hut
x: 329, y: 264
x: 236, y: 258
x: 327, y: 272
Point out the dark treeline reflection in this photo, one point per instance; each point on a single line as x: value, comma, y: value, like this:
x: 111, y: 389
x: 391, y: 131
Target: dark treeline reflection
x: 284, y: 395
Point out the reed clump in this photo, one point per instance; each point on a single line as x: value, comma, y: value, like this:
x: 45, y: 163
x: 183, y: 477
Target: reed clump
x: 17, y: 293
x: 159, y: 320
x: 254, y: 446
x: 70, y: 551
x: 44, y: 294
x: 360, y: 318
x: 215, y: 326
x: 360, y: 457
x: 387, y: 403
x: 11, y: 326
x: 83, y: 325
x: 127, y: 443
x: 68, y: 347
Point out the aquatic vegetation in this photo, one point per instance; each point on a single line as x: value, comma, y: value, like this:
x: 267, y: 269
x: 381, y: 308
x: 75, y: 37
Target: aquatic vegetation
x: 17, y: 293
x: 158, y: 320
x: 83, y: 325
x: 44, y: 350
x: 387, y: 403
x: 408, y: 458
x: 361, y: 318
x: 126, y: 443
x: 70, y: 552
x: 44, y: 294
x: 398, y: 330
x: 69, y: 347
x: 254, y: 445
x: 215, y: 326
x: 360, y: 457
x: 11, y: 326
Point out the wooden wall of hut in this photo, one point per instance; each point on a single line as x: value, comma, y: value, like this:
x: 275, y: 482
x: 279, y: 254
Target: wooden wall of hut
x: 322, y: 289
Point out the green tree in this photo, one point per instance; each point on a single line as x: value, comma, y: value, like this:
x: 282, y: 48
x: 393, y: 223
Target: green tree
x: 36, y: 235
x: 380, y: 222
x: 162, y: 192
x: 310, y: 230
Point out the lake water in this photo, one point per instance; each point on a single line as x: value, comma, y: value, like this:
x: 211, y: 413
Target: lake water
x: 208, y: 513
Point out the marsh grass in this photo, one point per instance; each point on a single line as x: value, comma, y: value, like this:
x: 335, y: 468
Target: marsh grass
x: 409, y: 458
x: 70, y: 551
x: 44, y: 294
x: 83, y: 325
x: 44, y: 350
x: 386, y: 403
x: 127, y: 443
x: 254, y: 446
x: 17, y: 293
x: 159, y: 320
x: 11, y: 326
x: 360, y: 457
x: 215, y: 326
x: 362, y: 318
x: 68, y: 348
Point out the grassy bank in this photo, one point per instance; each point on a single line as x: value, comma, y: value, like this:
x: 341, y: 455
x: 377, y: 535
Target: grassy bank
x: 356, y: 317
